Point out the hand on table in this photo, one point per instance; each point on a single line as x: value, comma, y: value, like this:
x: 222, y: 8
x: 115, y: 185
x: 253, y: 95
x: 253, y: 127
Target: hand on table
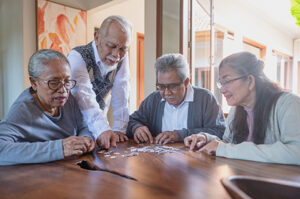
x: 142, y: 134
x: 166, y: 137
x: 195, y: 141
x: 210, y: 148
x: 107, y: 139
x: 75, y: 145
x: 121, y: 137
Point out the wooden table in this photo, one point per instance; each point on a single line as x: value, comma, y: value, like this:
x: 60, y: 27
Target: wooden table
x: 182, y: 174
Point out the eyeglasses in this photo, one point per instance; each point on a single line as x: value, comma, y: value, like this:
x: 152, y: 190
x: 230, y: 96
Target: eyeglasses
x: 56, y: 84
x: 225, y: 83
x: 171, y: 87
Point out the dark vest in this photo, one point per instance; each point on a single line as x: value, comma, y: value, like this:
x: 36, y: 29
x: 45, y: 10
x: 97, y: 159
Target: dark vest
x: 101, y: 85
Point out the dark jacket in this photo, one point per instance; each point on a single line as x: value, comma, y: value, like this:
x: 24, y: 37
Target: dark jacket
x: 204, y: 115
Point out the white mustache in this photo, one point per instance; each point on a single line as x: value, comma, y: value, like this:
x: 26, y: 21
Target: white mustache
x: 113, y: 58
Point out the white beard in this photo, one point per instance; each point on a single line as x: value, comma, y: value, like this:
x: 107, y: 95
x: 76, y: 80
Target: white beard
x: 108, y: 66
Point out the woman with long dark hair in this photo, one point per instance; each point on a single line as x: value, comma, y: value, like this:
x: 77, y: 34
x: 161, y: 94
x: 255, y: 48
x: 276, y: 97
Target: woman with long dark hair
x: 264, y: 122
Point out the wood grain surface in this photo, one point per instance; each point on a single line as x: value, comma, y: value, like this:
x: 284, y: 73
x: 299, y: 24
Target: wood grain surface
x: 182, y: 174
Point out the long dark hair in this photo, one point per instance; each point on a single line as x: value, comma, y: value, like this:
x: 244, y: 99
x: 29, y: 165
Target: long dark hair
x: 267, y: 94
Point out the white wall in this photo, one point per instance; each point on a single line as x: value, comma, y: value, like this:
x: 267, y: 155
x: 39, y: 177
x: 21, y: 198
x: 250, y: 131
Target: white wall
x: 150, y: 46
x: 132, y: 10
x: 244, y: 22
x: 2, y: 7
x: 235, y: 16
x: 16, y: 18
x: 29, y: 35
x: 11, y: 52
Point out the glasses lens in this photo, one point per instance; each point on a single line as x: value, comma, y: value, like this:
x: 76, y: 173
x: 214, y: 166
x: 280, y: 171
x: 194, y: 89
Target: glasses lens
x: 53, y: 84
x: 70, y: 84
x: 174, y: 87
x: 161, y: 87
x: 73, y: 84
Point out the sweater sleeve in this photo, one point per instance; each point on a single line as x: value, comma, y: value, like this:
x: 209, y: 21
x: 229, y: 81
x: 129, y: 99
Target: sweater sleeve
x: 140, y: 117
x: 285, y: 127
x: 12, y: 152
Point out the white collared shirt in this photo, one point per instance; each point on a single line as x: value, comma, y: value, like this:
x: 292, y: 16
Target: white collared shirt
x: 83, y: 92
x: 175, y: 118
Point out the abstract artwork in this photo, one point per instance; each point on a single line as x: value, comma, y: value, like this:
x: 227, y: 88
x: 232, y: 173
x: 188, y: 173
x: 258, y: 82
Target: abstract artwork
x: 60, y: 27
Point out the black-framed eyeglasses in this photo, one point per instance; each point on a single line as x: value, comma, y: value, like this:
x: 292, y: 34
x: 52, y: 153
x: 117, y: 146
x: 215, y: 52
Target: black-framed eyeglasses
x: 56, y: 84
x: 171, y: 87
x: 225, y: 83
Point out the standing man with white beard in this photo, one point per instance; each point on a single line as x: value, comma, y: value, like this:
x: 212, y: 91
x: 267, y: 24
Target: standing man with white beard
x: 102, y: 73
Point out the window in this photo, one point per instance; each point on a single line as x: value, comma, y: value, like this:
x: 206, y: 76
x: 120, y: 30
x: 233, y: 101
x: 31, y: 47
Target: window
x: 284, y: 70
x: 169, y: 21
x: 254, y: 47
x: 200, y: 43
x: 205, y: 53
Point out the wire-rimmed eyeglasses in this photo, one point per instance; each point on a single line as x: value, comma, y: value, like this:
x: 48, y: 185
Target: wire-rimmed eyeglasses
x: 225, y: 83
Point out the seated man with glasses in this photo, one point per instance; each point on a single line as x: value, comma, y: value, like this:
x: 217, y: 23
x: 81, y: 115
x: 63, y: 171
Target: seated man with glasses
x: 45, y: 123
x: 177, y: 109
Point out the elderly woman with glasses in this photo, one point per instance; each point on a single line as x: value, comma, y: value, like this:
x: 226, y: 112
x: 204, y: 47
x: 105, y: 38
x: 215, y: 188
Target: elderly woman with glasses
x: 44, y: 124
x: 264, y: 122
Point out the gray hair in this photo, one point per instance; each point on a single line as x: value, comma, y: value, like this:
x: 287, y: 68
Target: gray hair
x: 41, y: 58
x: 125, y: 24
x: 244, y: 63
x: 176, y: 62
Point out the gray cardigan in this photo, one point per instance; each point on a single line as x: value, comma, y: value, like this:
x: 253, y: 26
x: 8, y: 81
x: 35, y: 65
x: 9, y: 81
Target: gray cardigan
x: 204, y: 115
x: 28, y: 135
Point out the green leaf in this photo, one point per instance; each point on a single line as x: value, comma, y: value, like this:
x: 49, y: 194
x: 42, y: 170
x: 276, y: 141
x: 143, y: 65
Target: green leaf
x: 295, y: 10
x: 295, y: 2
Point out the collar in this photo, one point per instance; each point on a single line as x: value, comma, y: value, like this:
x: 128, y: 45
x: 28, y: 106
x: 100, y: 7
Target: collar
x: 189, y: 94
x: 104, y: 68
x: 96, y: 54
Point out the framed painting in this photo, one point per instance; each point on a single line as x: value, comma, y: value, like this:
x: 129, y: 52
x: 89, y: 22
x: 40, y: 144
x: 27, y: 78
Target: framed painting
x: 60, y: 27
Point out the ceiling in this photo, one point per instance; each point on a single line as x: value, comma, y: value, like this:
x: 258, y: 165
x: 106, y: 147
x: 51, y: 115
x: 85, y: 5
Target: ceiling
x: 276, y: 12
x: 82, y: 4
